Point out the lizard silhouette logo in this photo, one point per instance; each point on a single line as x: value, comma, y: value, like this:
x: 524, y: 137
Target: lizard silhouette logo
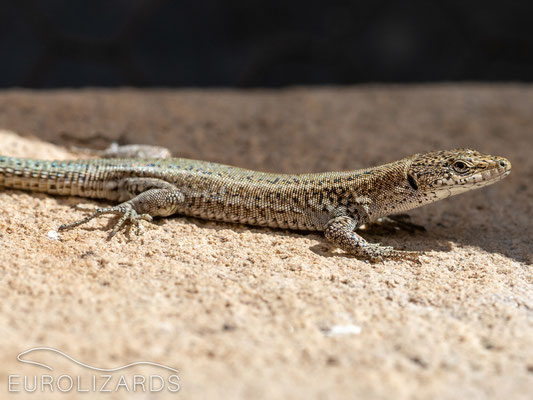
x: 102, y: 380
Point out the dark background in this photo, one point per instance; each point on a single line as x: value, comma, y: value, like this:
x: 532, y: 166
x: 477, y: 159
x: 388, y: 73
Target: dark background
x: 252, y: 43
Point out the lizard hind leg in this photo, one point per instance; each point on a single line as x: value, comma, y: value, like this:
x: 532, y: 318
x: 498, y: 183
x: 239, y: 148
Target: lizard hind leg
x: 126, y: 151
x: 148, y: 204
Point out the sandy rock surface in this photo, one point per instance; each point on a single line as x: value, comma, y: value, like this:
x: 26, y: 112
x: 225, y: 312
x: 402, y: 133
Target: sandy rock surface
x: 258, y: 313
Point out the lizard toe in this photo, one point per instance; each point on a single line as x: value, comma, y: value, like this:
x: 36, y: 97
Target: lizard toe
x: 130, y: 216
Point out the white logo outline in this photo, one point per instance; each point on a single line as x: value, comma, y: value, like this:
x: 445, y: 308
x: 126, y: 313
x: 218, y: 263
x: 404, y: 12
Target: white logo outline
x: 86, y: 365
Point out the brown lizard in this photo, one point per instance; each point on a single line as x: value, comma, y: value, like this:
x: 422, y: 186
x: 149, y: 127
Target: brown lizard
x: 336, y: 203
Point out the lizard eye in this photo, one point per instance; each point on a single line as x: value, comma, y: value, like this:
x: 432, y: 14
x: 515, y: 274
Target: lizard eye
x: 460, y: 166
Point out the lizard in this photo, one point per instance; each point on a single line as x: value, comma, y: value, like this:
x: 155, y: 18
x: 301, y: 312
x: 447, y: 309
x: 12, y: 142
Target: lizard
x: 335, y: 203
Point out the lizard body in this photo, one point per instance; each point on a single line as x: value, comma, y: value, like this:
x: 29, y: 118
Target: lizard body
x: 336, y: 203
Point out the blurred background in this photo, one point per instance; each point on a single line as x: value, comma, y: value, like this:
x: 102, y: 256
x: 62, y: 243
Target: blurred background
x: 251, y: 43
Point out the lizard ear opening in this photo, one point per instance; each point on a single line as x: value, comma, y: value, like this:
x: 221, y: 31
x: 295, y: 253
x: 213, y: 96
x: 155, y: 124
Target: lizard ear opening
x: 412, y: 182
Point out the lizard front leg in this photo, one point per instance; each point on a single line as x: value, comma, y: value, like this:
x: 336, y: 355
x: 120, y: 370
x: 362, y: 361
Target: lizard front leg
x: 340, y: 232
x: 148, y: 197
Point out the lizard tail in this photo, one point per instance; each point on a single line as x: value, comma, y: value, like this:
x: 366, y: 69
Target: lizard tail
x: 52, y: 177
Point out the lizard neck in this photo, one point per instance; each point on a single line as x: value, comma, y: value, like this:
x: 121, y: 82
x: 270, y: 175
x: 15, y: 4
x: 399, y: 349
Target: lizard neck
x: 386, y: 190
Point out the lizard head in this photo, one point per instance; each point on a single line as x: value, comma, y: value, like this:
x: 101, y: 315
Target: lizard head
x: 441, y: 174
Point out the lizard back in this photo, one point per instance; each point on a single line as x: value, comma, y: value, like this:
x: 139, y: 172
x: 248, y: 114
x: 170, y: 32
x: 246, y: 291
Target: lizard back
x: 211, y: 190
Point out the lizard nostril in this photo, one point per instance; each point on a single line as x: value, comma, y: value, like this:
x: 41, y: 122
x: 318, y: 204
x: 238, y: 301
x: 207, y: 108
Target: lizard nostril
x: 503, y: 163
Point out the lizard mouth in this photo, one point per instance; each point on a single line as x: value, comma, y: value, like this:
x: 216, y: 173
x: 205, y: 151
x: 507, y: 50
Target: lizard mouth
x: 494, y: 172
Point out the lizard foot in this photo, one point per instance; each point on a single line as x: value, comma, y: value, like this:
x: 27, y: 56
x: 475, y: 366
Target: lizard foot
x: 340, y: 232
x: 377, y: 253
x: 126, y: 213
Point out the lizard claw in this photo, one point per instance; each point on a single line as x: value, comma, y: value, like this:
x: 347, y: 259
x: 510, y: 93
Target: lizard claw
x: 130, y: 216
x: 402, y: 255
x: 383, y: 253
x: 127, y: 214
